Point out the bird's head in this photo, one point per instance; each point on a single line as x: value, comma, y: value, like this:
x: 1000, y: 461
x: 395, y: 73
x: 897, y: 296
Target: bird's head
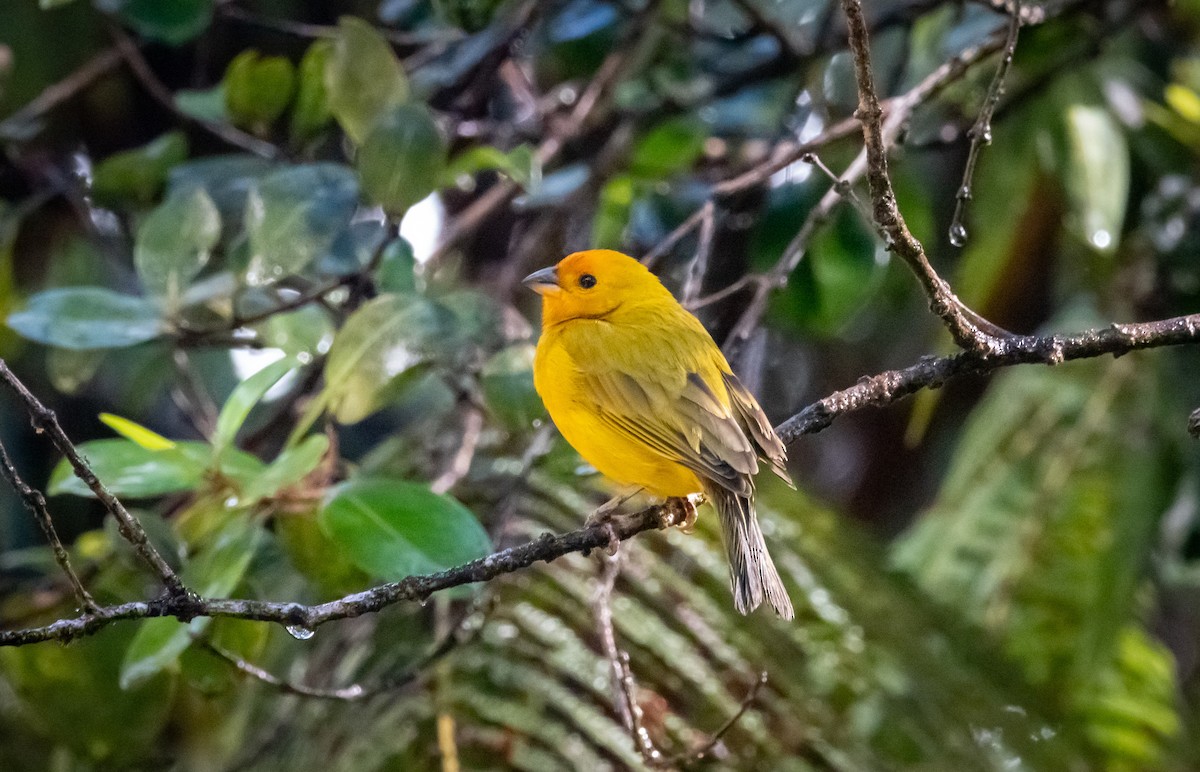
x: 592, y: 285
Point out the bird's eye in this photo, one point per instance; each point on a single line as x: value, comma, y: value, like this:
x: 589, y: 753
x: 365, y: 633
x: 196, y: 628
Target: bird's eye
x: 587, y: 281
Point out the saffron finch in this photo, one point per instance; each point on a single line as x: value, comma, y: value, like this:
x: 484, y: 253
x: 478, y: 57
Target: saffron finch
x: 636, y: 384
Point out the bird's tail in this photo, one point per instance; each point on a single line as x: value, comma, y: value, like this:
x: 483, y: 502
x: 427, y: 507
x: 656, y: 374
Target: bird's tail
x: 752, y: 572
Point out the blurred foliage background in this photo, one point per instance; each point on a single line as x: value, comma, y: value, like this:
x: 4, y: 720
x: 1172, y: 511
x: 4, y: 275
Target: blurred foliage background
x: 263, y: 259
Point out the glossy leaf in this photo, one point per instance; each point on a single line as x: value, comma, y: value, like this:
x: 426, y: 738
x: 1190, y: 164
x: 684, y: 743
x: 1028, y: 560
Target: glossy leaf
x: 402, y: 159
x: 174, y: 243
x: 138, y: 175
x: 294, y: 215
x: 397, y: 268
x: 363, y: 78
x: 242, y: 400
x: 258, y: 89
x: 87, y: 318
x: 213, y: 573
x: 379, y: 349
x: 128, y: 469
x: 394, y: 528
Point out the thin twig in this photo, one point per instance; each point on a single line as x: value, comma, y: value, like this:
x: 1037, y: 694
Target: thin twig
x: 35, y: 502
x: 969, y: 330
x: 141, y: 69
x: 44, y: 421
x: 981, y: 133
x: 624, y: 688
x: 691, y: 757
x: 694, y: 279
x: 16, y: 125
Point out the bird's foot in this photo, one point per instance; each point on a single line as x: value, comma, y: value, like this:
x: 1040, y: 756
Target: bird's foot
x: 608, y: 510
x: 681, y: 511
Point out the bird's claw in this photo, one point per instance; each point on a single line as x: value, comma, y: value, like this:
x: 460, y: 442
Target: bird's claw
x: 679, y: 511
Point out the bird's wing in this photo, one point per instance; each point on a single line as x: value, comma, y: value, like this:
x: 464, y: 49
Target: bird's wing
x: 659, y: 392
x: 770, y: 447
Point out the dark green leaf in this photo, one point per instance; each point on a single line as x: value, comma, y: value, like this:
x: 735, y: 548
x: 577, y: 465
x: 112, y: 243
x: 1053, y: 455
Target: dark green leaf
x: 138, y: 175
x: 294, y: 215
x: 402, y: 158
x: 258, y: 89
x: 363, y: 78
x: 87, y: 318
x: 394, y: 528
x: 169, y: 21
x: 174, y: 242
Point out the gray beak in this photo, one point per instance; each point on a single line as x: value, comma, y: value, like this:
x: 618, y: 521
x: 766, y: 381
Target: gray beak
x: 542, y: 281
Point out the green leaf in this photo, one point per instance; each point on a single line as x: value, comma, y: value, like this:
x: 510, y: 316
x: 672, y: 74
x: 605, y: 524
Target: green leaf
x: 397, y: 267
x: 669, y: 148
x: 138, y: 175
x: 213, y: 573
x: 1097, y: 176
x: 294, y: 215
x: 379, y: 350
x: 311, y: 114
x: 393, y: 528
x: 292, y: 466
x: 174, y: 22
x: 70, y: 370
x: 363, y: 78
x: 304, y: 332
x: 46, y: 5
x: 128, y: 469
x: 519, y: 164
x: 85, y: 318
x: 507, y: 383
x: 242, y: 400
x: 258, y: 89
x: 207, y: 104
x: 174, y: 243
x: 402, y: 158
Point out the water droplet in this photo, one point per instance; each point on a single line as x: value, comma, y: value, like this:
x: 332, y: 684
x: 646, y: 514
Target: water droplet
x: 964, y: 193
x: 300, y: 632
x: 985, y: 136
x: 958, y: 234
x: 1101, y: 239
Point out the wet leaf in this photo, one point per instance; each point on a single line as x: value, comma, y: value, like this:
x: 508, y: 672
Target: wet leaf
x: 242, y: 400
x: 174, y: 243
x: 1097, y: 176
x: 291, y: 466
x: 294, y: 215
x: 130, y: 470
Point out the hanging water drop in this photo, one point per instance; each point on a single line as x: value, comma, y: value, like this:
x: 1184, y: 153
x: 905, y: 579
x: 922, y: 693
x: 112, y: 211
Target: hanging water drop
x: 958, y: 234
x: 300, y: 632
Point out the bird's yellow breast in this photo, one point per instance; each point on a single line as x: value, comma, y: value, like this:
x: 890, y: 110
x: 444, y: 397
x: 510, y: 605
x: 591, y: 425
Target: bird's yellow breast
x: 615, y: 454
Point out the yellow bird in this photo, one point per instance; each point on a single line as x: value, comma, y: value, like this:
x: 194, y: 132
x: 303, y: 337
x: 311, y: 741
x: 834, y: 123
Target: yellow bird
x: 636, y: 384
